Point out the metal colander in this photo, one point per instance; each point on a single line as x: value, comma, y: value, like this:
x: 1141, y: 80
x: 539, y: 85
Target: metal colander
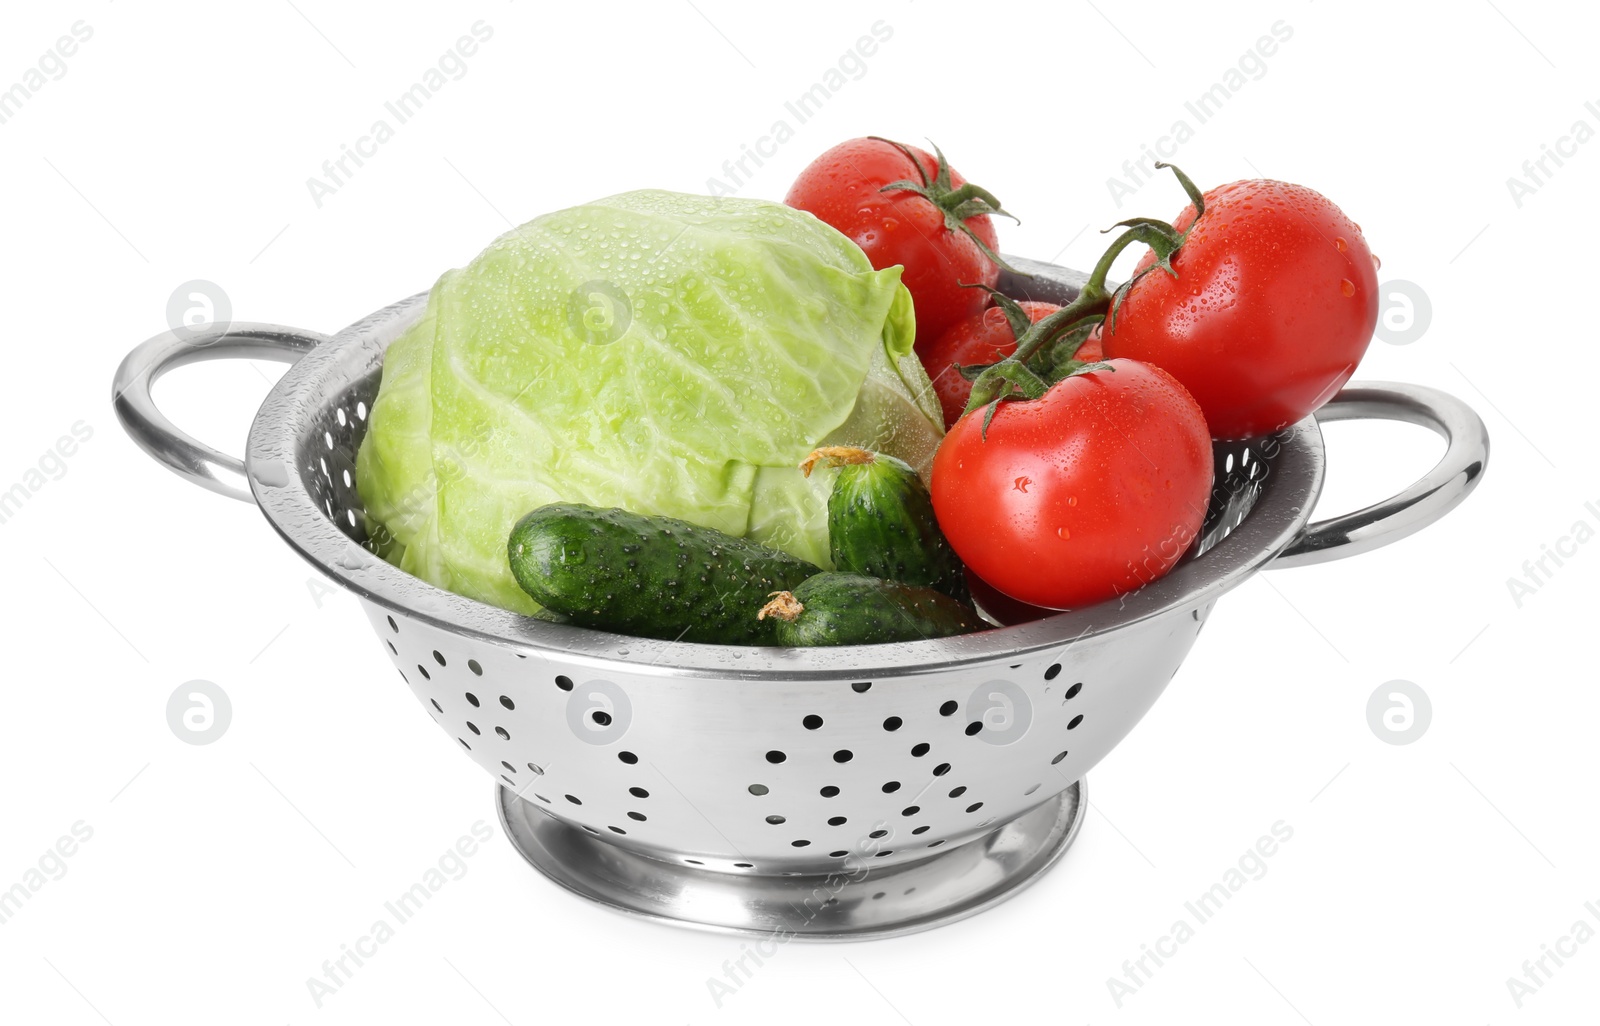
x: 838, y: 792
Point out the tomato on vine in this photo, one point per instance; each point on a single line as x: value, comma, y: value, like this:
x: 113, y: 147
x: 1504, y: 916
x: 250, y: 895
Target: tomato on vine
x: 1094, y: 488
x: 904, y: 206
x: 1263, y: 308
x: 983, y: 338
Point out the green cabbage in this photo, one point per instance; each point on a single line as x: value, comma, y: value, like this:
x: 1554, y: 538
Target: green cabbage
x: 666, y: 353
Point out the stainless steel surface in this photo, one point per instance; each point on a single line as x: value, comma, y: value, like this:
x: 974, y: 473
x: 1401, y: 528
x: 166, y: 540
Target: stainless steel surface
x: 148, y: 426
x: 760, y: 762
x: 1436, y: 493
x: 859, y: 899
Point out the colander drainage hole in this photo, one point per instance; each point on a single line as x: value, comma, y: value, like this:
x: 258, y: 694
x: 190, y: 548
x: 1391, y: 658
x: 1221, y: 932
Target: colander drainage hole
x: 880, y: 894
x: 918, y: 751
x: 436, y: 704
x: 601, y: 717
x: 744, y: 865
x: 878, y: 833
x: 941, y: 769
x: 1030, y: 790
x: 776, y: 757
x: 974, y: 807
x: 1072, y: 692
x: 424, y: 671
x: 957, y: 792
x: 861, y: 688
x: 508, y: 780
x: 591, y: 829
x: 892, y: 723
x: 628, y: 757
x: 392, y: 625
x: 637, y: 816
x: 694, y: 862
x: 829, y: 792
x: 812, y: 722
x: 472, y: 664
x: 1058, y: 758
x: 505, y: 735
x: 437, y: 657
x: 841, y: 853
x: 1053, y: 672
x: 396, y: 651
x: 885, y: 852
x: 616, y: 830
x: 1072, y: 724
x: 757, y: 789
x: 891, y: 787
x: 845, y: 755
x: 935, y: 844
x: 573, y: 800
x: 638, y: 792
x: 776, y: 820
x: 464, y: 744
x: 800, y: 844
x: 536, y: 769
x: 975, y: 726
x: 509, y: 768
x: 919, y: 830
x: 472, y: 699
x: 508, y: 703
x: 949, y: 708
x: 473, y: 727
x: 837, y: 821
x: 910, y: 810
x: 564, y: 682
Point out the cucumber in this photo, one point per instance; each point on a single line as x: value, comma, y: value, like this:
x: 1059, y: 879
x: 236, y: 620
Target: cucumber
x: 851, y: 609
x: 651, y: 577
x: 881, y: 522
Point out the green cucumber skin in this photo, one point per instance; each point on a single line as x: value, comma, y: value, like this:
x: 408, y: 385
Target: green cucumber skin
x: 881, y: 524
x: 850, y: 609
x: 649, y: 577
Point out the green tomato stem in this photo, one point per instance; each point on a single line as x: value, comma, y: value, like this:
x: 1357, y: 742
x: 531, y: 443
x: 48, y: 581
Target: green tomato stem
x: 1092, y: 304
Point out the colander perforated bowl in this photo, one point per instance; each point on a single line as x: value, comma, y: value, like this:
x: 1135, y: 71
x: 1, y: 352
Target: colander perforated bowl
x: 838, y: 793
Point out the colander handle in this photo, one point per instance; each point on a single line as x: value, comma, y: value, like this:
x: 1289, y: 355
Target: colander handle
x: 173, y: 448
x: 1438, y: 491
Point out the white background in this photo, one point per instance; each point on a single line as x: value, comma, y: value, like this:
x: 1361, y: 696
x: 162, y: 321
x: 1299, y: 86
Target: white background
x: 218, y: 878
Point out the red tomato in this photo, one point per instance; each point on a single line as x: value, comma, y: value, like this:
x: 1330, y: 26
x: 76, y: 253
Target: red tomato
x: 1274, y: 302
x: 1093, y: 349
x: 1086, y: 493
x: 842, y: 187
x: 985, y: 337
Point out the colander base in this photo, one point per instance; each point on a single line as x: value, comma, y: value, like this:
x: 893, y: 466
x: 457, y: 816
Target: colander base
x: 859, y: 902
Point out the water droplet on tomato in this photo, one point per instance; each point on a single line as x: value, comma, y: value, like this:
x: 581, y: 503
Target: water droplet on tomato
x: 1072, y: 500
x: 1347, y: 287
x: 1063, y: 534
x: 1377, y: 264
x: 1339, y: 245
